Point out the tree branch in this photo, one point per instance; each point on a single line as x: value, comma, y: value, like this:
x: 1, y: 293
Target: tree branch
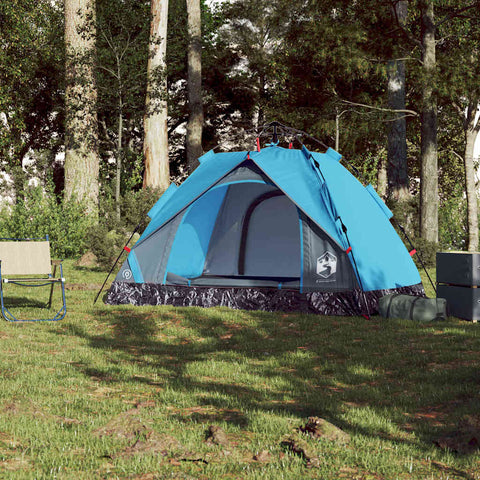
x: 456, y: 13
x: 411, y: 113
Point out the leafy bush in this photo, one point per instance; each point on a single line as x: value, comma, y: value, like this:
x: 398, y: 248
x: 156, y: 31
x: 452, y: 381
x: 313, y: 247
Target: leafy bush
x: 106, y: 245
x: 41, y: 213
x: 426, y: 251
x: 452, y: 222
x: 107, y: 239
x: 134, y: 206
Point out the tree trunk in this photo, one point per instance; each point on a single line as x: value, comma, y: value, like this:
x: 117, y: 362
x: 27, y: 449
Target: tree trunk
x: 382, y: 177
x: 81, y: 128
x: 429, y: 161
x: 397, y: 137
x: 155, y: 144
x: 195, y: 118
x: 472, y: 127
x: 118, y: 177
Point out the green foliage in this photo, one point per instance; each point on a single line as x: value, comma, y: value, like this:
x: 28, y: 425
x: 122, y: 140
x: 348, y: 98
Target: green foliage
x: 105, y: 244
x: 122, y: 55
x: 107, y: 239
x: 452, y: 222
x: 31, y: 81
x: 39, y: 214
x: 426, y: 252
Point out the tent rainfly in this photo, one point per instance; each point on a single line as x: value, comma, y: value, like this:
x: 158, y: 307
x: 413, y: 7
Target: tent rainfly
x: 275, y: 229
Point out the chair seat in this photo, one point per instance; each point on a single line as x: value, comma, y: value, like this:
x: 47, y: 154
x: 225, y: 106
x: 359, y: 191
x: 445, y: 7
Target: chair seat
x: 27, y: 263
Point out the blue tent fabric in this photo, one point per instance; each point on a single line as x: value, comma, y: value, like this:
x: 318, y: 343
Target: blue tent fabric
x: 189, y: 249
x: 206, y: 174
x: 319, y: 186
x: 293, y: 173
x: 382, y: 259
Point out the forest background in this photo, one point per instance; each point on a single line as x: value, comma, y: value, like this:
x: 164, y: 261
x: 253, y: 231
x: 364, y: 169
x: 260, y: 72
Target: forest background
x: 104, y: 103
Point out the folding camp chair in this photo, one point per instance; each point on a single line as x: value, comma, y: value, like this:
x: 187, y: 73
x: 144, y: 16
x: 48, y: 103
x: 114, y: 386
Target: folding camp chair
x: 27, y: 263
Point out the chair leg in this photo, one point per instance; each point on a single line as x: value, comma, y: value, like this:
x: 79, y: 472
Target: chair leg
x: 49, y: 304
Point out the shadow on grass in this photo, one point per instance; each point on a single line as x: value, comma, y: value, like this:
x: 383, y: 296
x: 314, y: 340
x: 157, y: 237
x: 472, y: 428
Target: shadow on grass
x: 378, y: 378
x: 24, y: 302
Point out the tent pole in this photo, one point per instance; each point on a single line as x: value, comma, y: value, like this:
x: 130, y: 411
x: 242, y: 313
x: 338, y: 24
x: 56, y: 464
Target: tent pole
x: 418, y: 253
x: 118, y: 258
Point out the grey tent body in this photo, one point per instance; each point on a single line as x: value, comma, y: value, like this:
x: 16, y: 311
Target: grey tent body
x: 237, y: 234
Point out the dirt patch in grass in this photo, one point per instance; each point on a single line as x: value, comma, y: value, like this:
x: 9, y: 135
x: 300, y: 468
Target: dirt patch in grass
x: 320, y: 429
x: 216, y: 436
x: 210, y: 414
x: 464, y: 439
x: 22, y: 408
x: 300, y: 447
x: 15, y: 464
x: 152, y: 443
x: 263, y: 457
x: 143, y: 439
x: 126, y: 426
x: 83, y: 286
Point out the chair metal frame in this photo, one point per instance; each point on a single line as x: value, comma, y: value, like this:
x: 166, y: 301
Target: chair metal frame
x: 35, y: 281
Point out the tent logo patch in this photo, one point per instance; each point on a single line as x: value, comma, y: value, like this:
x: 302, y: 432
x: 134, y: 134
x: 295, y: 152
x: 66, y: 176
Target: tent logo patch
x: 326, y: 265
x: 127, y: 274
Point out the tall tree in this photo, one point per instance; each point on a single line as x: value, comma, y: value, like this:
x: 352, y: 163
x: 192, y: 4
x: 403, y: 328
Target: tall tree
x: 397, y: 135
x: 81, y: 127
x: 155, y: 146
x: 459, y: 44
x: 429, y: 155
x: 472, y: 129
x: 194, y: 85
x: 122, y: 52
x: 31, y: 87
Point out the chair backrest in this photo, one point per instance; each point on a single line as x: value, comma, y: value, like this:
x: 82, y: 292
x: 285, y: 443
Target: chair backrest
x: 25, y: 258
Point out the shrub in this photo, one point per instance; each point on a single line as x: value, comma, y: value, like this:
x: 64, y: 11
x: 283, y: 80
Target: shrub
x: 41, y: 213
x: 134, y: 206
x: 107, y: 239
x: 426, y: 251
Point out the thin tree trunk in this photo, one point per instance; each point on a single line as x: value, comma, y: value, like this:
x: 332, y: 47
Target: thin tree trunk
x: 382, y: 176
x: 81, y: 128
x: 429, y: 160
x: 397, y: 137
x: 118, y: 177
x: 337, y: 132
x: 19, y: 178
x: 472, y: 127
x: 155, y: 145
x: 195, y: 104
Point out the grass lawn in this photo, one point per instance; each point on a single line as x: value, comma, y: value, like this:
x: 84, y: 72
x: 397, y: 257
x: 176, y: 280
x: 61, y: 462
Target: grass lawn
x: 129, y: 393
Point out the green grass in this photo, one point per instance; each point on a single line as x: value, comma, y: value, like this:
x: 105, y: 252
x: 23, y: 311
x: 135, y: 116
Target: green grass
x: 77, y: 395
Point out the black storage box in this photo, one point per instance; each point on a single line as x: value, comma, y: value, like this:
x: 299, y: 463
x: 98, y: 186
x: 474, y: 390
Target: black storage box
x: 458, y: 281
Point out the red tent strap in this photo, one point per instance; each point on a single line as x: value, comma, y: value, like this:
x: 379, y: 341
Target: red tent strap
x: 348, y: 250
x: 413, y: 252
x: 258, y: 144
x: 290, y: 145
x: 127, y: 249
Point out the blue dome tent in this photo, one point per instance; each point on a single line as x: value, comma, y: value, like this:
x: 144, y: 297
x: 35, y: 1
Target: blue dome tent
x: 273, y: 229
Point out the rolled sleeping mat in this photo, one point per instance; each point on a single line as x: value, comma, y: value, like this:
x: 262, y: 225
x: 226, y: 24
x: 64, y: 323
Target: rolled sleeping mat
x: 410, y: 307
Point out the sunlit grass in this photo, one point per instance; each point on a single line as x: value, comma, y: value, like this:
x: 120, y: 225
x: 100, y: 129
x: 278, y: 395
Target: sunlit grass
x: 394, y: 386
